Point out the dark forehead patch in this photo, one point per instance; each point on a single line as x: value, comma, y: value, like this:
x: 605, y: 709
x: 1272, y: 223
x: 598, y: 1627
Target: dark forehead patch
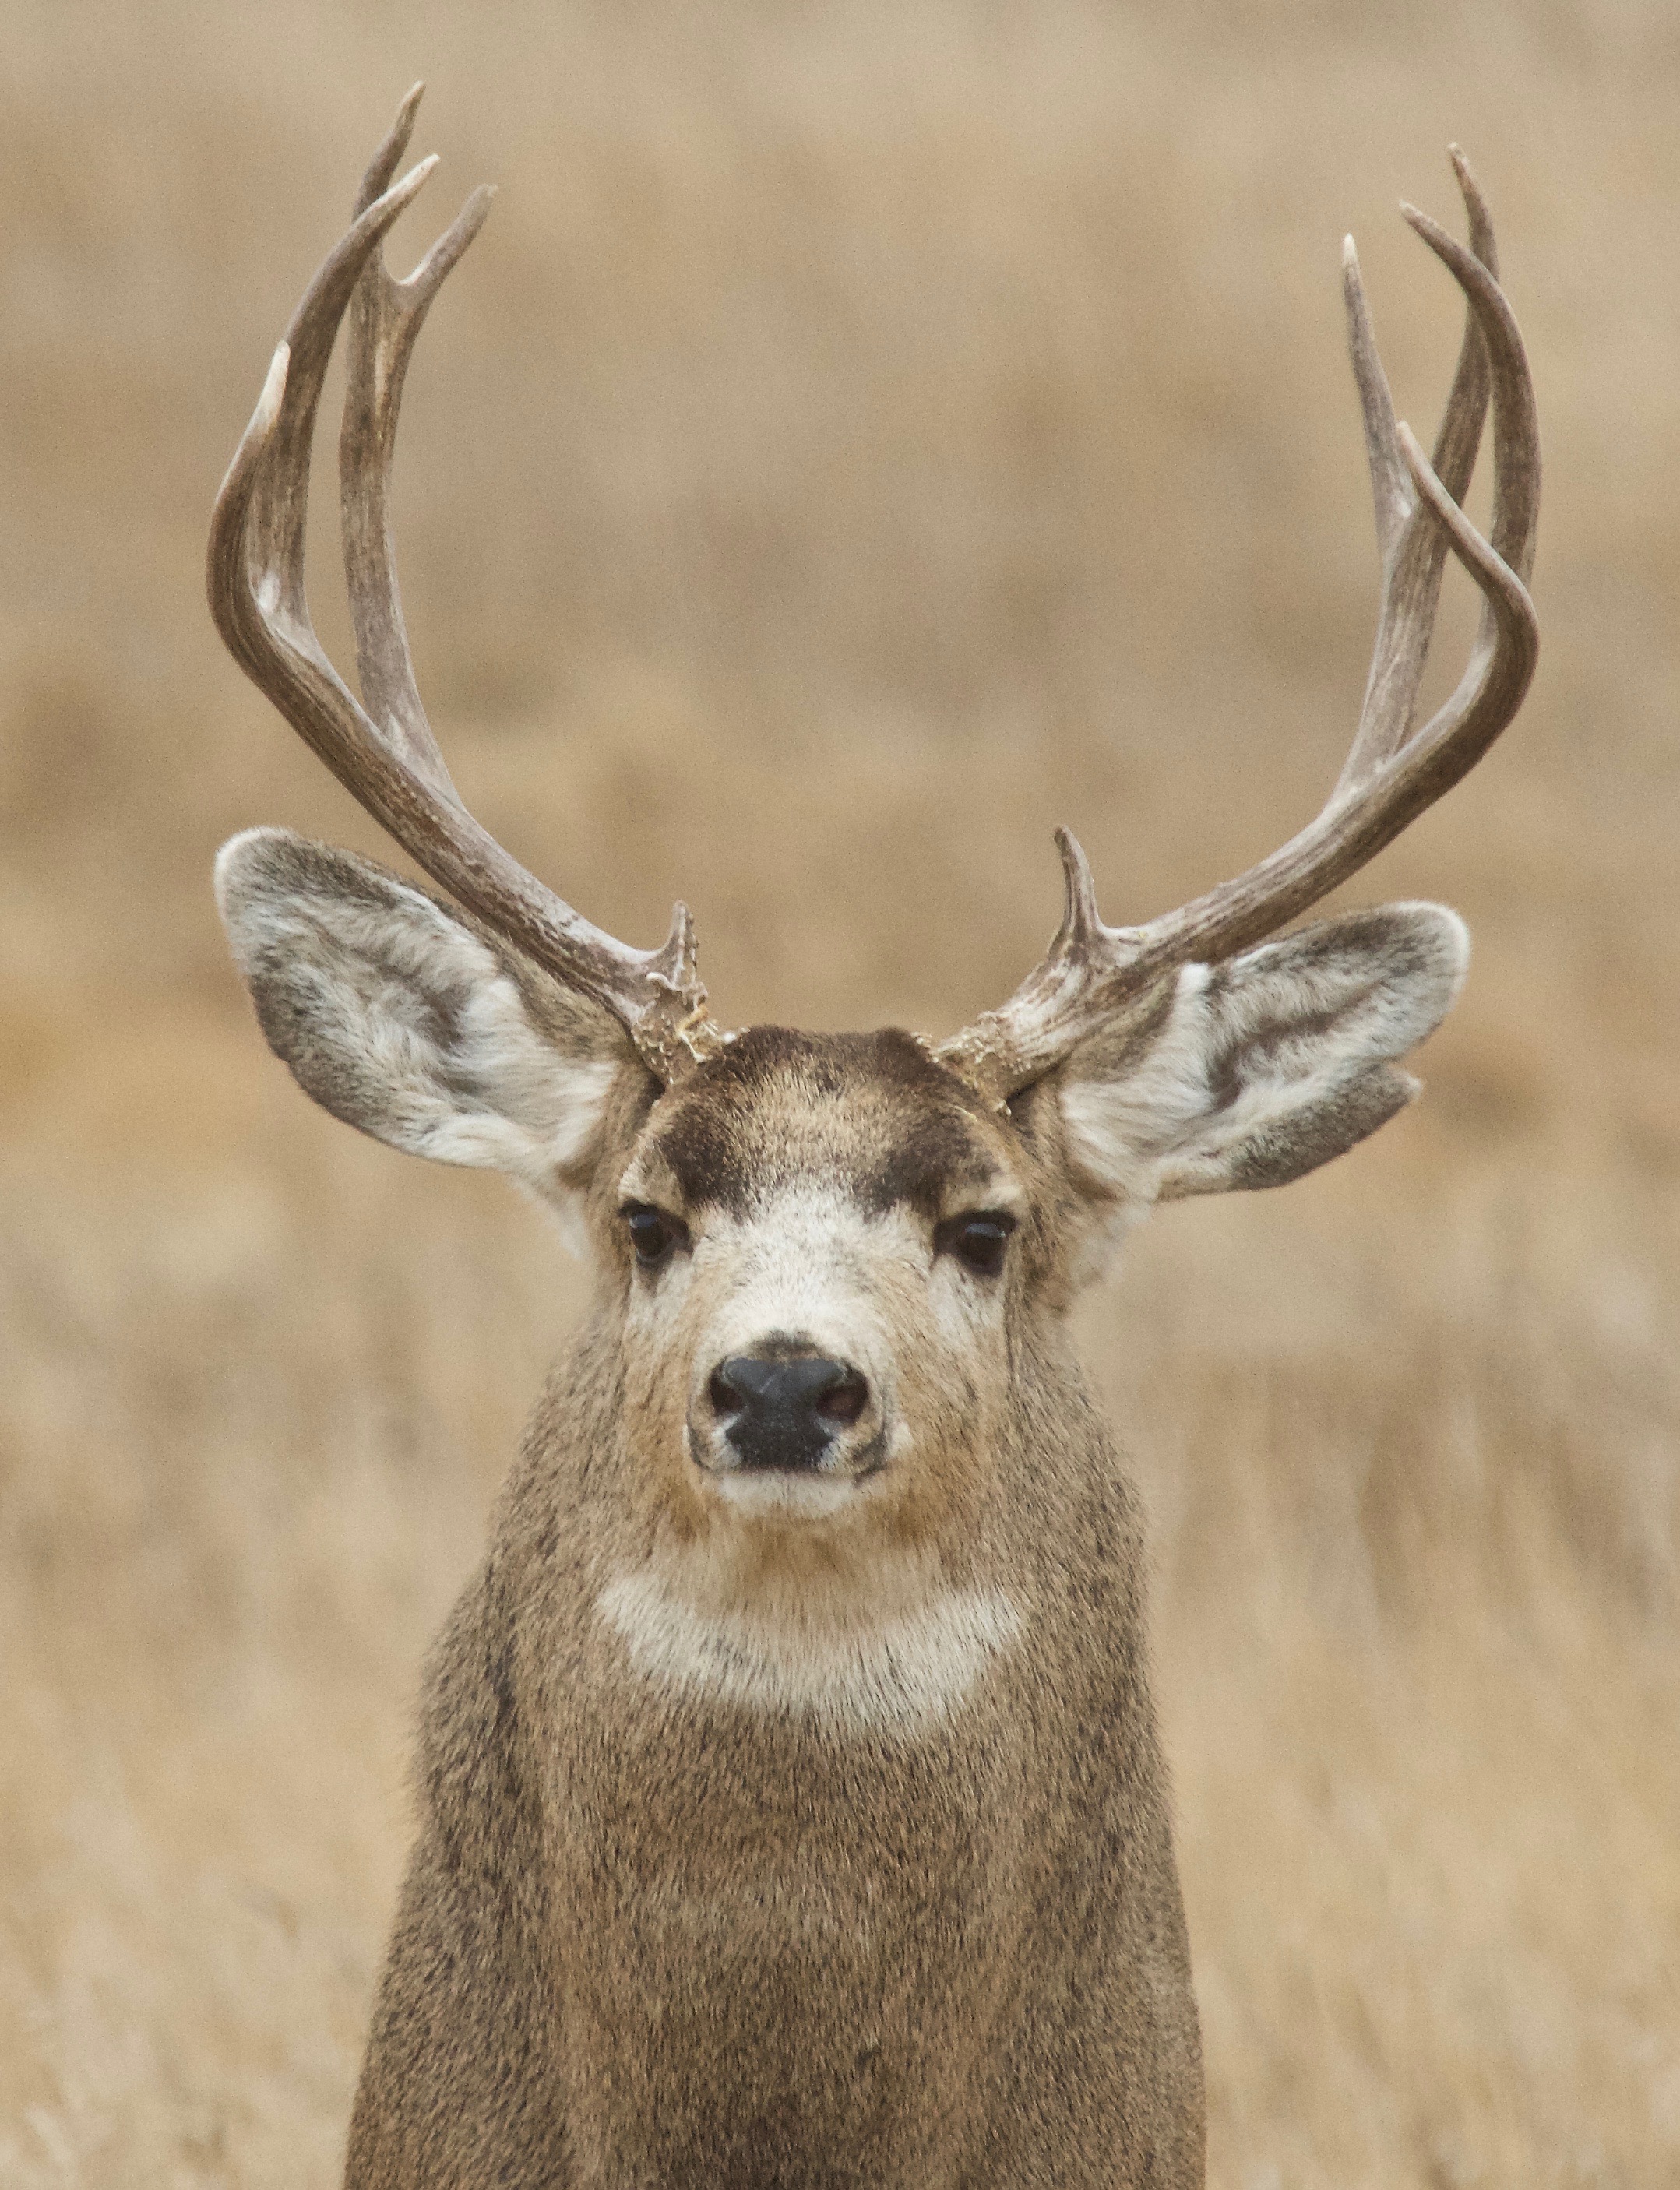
x: 869, y: 1114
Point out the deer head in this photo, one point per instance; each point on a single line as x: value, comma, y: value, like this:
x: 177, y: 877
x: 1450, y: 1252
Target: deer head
x: 827, y: 1255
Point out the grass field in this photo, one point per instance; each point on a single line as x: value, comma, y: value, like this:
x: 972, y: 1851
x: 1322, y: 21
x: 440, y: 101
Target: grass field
x: 864, y: 437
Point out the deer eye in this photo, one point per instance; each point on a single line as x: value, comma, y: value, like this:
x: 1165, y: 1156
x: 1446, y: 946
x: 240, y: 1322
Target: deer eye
x: 653, y: 1234
x: 977, y: 1240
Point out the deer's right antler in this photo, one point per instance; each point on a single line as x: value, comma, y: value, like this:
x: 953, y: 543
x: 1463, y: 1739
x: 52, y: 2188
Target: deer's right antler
x: 1393, y: 772
x: 384, y: 753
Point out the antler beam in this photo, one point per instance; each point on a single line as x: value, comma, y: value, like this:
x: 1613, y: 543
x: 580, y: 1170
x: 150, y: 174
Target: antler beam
x: 1393, y: 771
x: 384, y: 752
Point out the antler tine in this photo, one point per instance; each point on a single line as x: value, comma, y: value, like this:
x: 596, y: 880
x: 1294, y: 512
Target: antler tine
x: 1391, y: 493
x: 1413, y: 548
x: 1393, y: 772
x: 1461, y: 431
x: 386, y: 317
x: 258, y: 528
x: 392, y: 765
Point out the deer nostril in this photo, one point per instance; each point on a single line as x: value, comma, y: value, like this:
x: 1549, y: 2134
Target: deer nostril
x: 725, y: 1400
x: 844, y: 1403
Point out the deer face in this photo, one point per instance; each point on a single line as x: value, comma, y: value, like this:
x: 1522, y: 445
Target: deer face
x: 820, y: 1240
x: 828, y: 1254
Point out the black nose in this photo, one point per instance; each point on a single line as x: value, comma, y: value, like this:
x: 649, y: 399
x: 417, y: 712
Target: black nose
x: 782, y: 1414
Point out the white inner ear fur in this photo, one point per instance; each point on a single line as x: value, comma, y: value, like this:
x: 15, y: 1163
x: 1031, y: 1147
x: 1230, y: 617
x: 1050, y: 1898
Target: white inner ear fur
x: 1262, y: 1068
x: 397, y: 1018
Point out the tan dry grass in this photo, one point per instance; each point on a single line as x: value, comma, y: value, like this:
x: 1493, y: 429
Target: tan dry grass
x: 862, y: 438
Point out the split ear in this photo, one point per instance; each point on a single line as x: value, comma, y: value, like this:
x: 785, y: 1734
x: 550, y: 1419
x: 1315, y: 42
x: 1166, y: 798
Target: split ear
x: 1252, y: 1073
x: 408, y: 1022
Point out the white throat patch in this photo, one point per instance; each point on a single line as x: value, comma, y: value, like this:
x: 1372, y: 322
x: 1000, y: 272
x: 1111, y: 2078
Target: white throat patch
x: 902, y: 1673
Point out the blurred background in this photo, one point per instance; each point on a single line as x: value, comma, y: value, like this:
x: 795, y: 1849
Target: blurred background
x: 865, y: 435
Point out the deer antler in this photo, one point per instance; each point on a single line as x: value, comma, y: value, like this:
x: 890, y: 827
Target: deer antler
x: 384, y: 753
x: 1393, y: 772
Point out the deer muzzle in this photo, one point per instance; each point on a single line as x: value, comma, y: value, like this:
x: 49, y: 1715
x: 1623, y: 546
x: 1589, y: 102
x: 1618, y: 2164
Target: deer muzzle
x: 785, y: 1412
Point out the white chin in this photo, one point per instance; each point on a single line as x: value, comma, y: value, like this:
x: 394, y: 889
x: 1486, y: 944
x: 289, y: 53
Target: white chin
x: 777, y: 1495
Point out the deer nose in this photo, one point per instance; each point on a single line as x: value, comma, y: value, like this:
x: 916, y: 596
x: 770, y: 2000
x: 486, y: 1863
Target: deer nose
x: 785, y: 1413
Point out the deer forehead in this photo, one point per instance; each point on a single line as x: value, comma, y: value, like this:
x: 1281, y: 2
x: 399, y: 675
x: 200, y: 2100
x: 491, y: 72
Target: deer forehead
x: 859, y: 1125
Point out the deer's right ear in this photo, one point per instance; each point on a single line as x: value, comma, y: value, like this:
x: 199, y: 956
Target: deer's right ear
x: 401, y: 1020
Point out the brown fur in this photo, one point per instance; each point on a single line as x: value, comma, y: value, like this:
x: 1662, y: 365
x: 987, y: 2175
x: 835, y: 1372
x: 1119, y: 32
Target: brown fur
x: 650, y: 1938
x: 788, y: 1831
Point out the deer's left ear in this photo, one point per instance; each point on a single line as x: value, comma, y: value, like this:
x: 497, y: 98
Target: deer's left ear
x: 1251, y: 1072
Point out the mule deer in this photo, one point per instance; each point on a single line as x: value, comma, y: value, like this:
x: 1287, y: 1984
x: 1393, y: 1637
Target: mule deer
x: 791, y: 1807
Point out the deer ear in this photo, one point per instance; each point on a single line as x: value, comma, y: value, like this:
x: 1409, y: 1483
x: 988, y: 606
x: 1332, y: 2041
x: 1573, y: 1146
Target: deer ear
x: 1251, y: 1072
x: 408, y: 1022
